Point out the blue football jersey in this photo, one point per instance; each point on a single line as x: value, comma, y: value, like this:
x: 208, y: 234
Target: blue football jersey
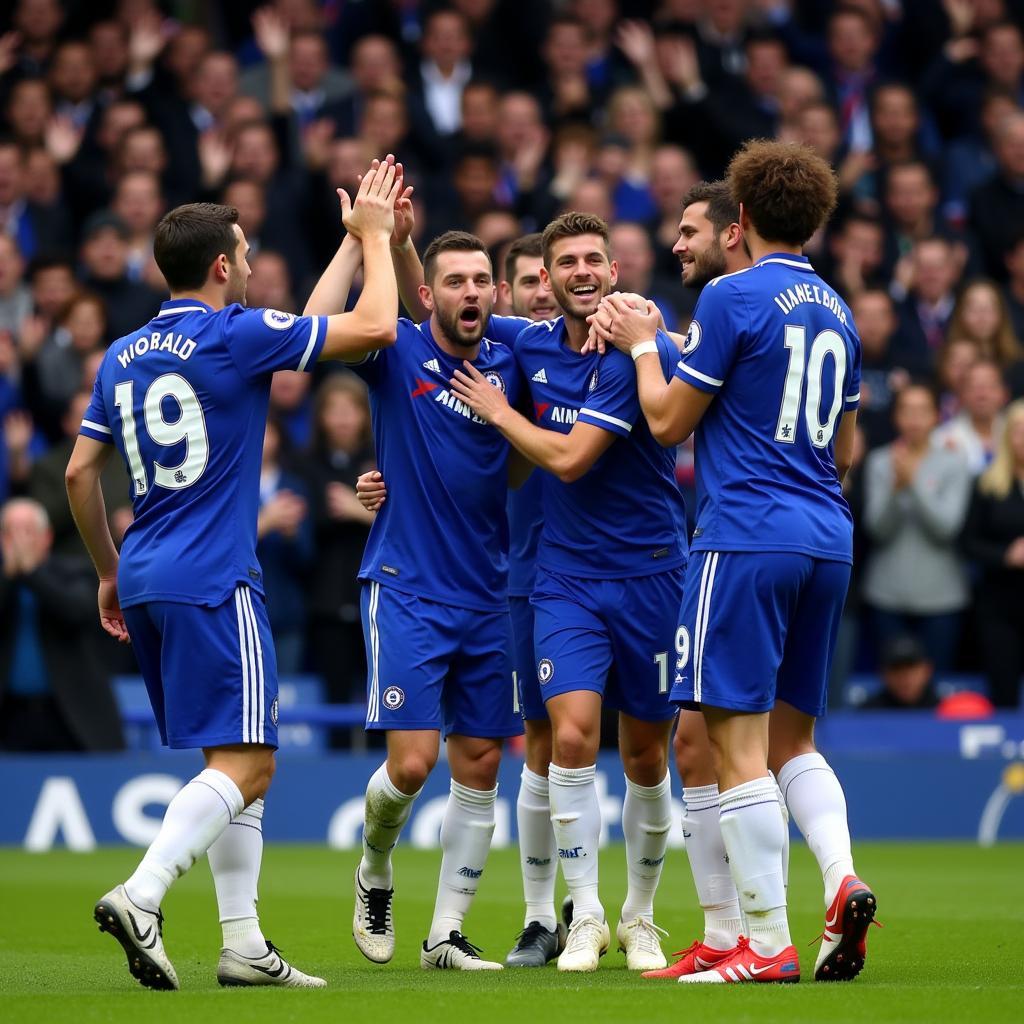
x: 779, y: 350
x: 184, y: 400
x: 525, y: 519
x: 443, y: 532
x: 625, y: 517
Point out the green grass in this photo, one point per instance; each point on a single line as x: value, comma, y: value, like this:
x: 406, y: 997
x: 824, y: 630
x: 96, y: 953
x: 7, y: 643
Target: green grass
x: 951, y: 946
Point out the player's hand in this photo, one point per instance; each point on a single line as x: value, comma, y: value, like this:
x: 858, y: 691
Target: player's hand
x: 623, y: 325
x: 405, y: 218
x: 111, y: 616
x: 371, y: 490
x: 373, y: 211
x: 487, y: 401
x: 601, y: 320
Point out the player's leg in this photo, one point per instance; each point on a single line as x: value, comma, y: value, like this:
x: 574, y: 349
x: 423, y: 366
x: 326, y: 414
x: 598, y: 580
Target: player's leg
x: 742, y: 608
x: 642, y: 617
x: 542, y: 936
x: 705, y: 851
x: 574, y: 657
x: 481, y: 709
x: 810, y: 787
x: 407, y: 642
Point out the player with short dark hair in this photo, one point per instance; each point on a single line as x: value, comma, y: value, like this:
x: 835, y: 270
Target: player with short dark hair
x: 613, y: 537
x: 184, y: 400
x: 770, y: 378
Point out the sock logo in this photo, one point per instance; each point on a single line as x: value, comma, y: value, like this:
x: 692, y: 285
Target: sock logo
x: 538, y: 862
x: 651, y: 862
x: 572, y: 853
x: 393, y: 697
x: 545, y: 670
x: 468, y: 872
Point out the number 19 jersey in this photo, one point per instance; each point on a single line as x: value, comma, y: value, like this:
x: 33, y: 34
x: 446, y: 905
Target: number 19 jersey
x: 184, y: 400
x: 780, y: 351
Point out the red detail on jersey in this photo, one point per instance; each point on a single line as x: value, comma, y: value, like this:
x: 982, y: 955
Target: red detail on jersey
x: 541, y: 408
x: 424, y: 387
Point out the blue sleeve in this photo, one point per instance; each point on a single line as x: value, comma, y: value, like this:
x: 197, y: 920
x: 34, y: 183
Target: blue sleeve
x: 95, y: 423
x: 714, y: 338
x: 613, y: 404
x: 372, y: 365
x: 264, y: 340
x: 506, y: 329
x: 853, y: 387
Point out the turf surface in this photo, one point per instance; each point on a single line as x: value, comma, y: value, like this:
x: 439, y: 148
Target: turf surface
x: 951, y: 947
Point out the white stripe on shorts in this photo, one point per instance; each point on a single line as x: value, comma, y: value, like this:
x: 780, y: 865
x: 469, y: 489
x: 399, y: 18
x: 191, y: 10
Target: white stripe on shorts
x: 245, y: 665
x: 711, y: 567
x: 258, y: 682
x: 373, y: 703
x: 250, y: 652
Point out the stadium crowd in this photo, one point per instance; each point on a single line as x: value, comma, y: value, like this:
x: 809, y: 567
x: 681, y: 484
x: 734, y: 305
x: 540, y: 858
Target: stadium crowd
x: 505, y: 113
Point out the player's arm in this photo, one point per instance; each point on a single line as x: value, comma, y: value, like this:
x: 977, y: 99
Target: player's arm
x: 373, y: 324
x: 845, y: 440
x: 567, y: 456
x: 409, y: 271
x: 85, y: 496
x: 672, y: 410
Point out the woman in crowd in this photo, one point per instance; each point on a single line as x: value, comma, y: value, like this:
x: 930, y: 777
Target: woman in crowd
x: 994, y: 540
x: 981, y: 314
x: 915, y: 499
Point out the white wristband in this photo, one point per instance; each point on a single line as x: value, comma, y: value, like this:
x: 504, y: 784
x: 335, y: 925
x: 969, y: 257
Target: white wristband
x: 643, y: 348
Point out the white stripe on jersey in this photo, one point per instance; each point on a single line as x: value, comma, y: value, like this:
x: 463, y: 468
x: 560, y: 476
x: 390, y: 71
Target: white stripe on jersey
x: 853, y: 398
x: 785, y: 263
x: 245, y: 665
x: 314, y: 330
x: 181, y: 309
x: 700, y: 376
x: 106, y: 430
x: 608, y: 419
x: 261, y: 710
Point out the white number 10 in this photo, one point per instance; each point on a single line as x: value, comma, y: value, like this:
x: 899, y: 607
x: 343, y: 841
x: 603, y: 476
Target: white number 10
x: 826, y: 343
x: 189, y: 427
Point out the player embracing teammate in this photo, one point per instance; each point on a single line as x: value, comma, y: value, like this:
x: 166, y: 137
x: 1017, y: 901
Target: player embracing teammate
x: 769, y: 384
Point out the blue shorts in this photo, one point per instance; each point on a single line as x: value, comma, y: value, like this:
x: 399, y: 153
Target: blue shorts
x: 524, y: 663
x: 583, y: 628
x: 756, y: 628
x: 437, y: 666
x: 210, y: 672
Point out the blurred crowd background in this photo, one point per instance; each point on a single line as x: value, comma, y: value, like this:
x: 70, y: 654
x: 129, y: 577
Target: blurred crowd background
x: 505, y: 113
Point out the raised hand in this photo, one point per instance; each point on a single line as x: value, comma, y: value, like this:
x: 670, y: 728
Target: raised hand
x: 405, y: 216
x: 374, y: 206
x: 9, y: 43
x: 271, y: 32
x: 636, y: 40
x: 63, y: 138
x: 214, y: 157
x: 146, y: 38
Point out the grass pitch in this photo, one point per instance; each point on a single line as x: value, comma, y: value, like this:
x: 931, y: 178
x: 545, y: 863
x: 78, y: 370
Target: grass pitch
x: 951, y: 947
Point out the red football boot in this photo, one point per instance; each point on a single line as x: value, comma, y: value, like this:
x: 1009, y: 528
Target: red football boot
x: 743, y: 965
x: 691, y: 961
x: 844, y: 941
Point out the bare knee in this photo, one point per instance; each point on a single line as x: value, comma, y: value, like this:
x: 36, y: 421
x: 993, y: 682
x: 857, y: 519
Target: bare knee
x: 474, y: 762
x: 410, y: 769
x: 573, y: 746
x: 694, y: 760
x: 780, y: 754
x: 646, y: 766
x: 538, y: 746
x: 250, y: 767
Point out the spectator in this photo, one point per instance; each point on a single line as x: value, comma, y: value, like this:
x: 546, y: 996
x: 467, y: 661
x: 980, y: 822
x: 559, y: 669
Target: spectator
x: 104, y: 256
x: 956, y: 357
x: 856, y: 251
x: 445, y: 68
x: 633, y: 116
x: 566, y: 94
x: 15, y: 297
x: 36, y: 229
x: 911, y: 203
x: 284, y: 547
x: 270, y: 286
x: 375, y: 66
x: 291, y: 404
x: 997, y: 208
x: 907, y: 678
x: 53, y: 695
x: 673, y: 174
x: 981, y: 314
x: 994, y: 540
x: 1014, y: 293
x: 974, y: 432
x: 926, y: 310
x: 342, y: 450
x: 915, y: 498
x: 140, y: 205
x: 29, y: 111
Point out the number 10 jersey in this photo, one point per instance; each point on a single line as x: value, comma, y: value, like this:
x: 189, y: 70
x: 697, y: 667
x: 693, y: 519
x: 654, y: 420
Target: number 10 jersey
x: 779, y: 350
x: 184, y: 399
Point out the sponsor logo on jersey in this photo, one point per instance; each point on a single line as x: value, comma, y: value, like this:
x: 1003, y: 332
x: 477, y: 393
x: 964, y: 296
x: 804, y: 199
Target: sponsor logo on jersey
x: 559, y: 413
x: 540, y: 376
x: 273, y: 711
x: 432, y: 365
x: 393, y: 697
x: 495, y: 379
x: 279, y: 320
x: 692, y: 338
x: 456, y: 404
x: 424, y: 387
x: 468, y: 872
x: 545, y: 670
x: 593, y: 380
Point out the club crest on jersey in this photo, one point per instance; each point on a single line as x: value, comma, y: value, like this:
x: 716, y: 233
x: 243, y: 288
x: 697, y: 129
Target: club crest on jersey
x: 393, y: 697
x: 545, y: 670
x: 692, y: 338
x: 273, y: 711
x: 495, y: 380
x: 278, y: 320
x: 593, y: 380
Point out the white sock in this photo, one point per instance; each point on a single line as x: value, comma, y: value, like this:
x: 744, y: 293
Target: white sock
x: 195, y: 817
x: 576, y: 819
x: 785, y: 833
x: 465, y: 842
x: 387, y: 810
x: 752, y: 829
x: 646, y: 820
x: 716, y: 891
x: 538, y: 855
x: 816, y: 801
x: 235, y: 858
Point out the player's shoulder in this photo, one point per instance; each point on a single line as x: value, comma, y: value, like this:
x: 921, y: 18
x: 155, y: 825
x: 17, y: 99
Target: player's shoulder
x: 730, y: 280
